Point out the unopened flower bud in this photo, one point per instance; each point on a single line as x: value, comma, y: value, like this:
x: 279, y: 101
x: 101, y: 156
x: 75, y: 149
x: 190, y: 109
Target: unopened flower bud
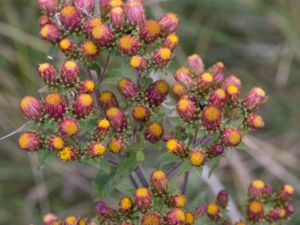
x: 169, y: 23
x: 51, y: 219
x: 204, y: 82
x: 179, y: 90
x: 32, y: 108
x: 55, y: 105
x: 254, y: 121
x: 159, y: 182
x: 232, y: 94
x: 176, y: 147
x: 68, y: 127
x: 254, y: 98
x: 129, y: 45
x: 150, y: 31
x: 135, y: 12
x: 197, y: 157
x: 222, y: 198
x: 142, y: 199
x: 183, y: 76
x: 128, y: 88
x: 211, y: 117
x: 154, y: 132
x: 70, y: 17
x: 107, y: 99
x: 286, y: 192
x: 67, y: 46
x: 101, y: 129
x: 276, y: 214
x: 177, y: 201
x: 96, y: 149
x: 117, y: 119
x: 117, y: 17
x: 102, y: 35
x: 48, y: 6
x: 47, y: 73
x: 138, y: 62
x: 213, y: 211
x: 255, y: 211
x: 104, y: 211
x: 217, y: 98
x: 50, y: 33
x: 186, y: 109
x: 89, y: 50
x: 196, y: 64
x: 86, y: 87
x: 117, y: 144
x: 162, y: 56
x: 232, y: 80
x: 200, y: 211
x: 104, y: 7
x: 289, y: 209
x: 231, y: 136
x: 56, y: 142
x: 241, y: 222
x: 171, y: 41
x: 69, y: 72
x: 90, y: 24
x: 70, y: 220
x: 29, y: 141
x: 43, y: 20
x: 157, y: 92
x: 215, y: 150
x: 85, y: 6
x: 175, y: 217
x: 126, y: 205
x: 83, y: 105
x: 256, y: 189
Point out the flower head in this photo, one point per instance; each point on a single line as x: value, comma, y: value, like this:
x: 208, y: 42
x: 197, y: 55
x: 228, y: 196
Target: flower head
x: 89, y: 50
x: 232, y: 80
x: 157, y: 92
x: 162, y: 56
x: 215, y: 150
x: 83, y: 105
x: 286, y: 192
x: 179, y: 90
x: 213, y: 211
x: 211, y: 117
x: 153, y: 132
x: 102, y: 35
x: 142, y: 199
x: 69, y: 154
x: 68, y: 127
x: 217, y: 98
x: 43, y: 20
x: 171, y: 41
x: 47, y: 73
x: 204, y: 82
x: 255, y: 211
x: 96, y: 149
x: 50, y: 33
x: 254, y: 121
x: 85, y: 6
x: 102, y: 128
x: 86, y: 87
x: 196, y: 64
x: 117, y: 119
x: 175, y: 217
x: 231, y: 136
x: 56, y: 142
x: 159, y: 182
x: 149, y: 31
x: 256, y: 189
x: 107, y: 99
x: 189, y: 218
x: 232, y: 94
x: 177, y: 201
x: 141, y: 113
x: 183, y: 76
x: 197, y: 157
x: 176, y: 147
x: 186, y: 109
x: 151, y: 218
x: 117, y: 144
x: 29, y: 141
x: 117, y: 17
x: 67, y: 46
x: 138, y: 62
x: 69, y: 72
x: 126, y: 204
x: 32, y: 108
x: 135, y: 12
x: 55, y: 105
x: 51, y: 219
x: 222, y: 198
x: 70, y: 17
x: 129, y: 45
x: 48, y: 6
x: 90, y: 24
x: 128, y: 88
x: 254, y: 98
x: 169, y: 23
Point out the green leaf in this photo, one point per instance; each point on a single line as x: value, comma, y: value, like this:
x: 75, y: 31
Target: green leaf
x: 43, y: 157
x: 215, y: 165
x: 185, y: 166
x: 95, y: 67
x: 165, y: 158
x: 140, y: 156
x: 145, y: 81
x: 52, y: 52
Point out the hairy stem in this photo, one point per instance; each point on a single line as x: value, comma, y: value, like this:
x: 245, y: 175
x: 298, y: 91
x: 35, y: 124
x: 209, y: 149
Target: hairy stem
x: 133, y: 182
x: 185, y: 182
x: 139, y: 172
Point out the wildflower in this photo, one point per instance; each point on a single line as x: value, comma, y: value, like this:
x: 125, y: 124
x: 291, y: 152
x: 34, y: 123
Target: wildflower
x: 117, y: 119
x: 200, y: 211
x: 176, y: 147
x: 153, y: 132
x: 68, y: 127
x: 48, y: 6
x: 168, y: 22
x: 102, y: 35
x: 104, y: 211
x: 142, y: 199
x: 254, y: 98
x: 232, y: 80
x: 43, y: 20
x: 141, y: 113
x: 157, y: 92
x: 67, y: 46
x: 83, y: 105
x: 117, y: 17
x: 31, y: 108
x: 219, y: 78
x: 171, y: 41
x: 89, y: 50
x: 47, y: 73
x: 69, y: 72
x: 90, y: 24
x: 196, y: 64
x: 189, y: 218
x: 86, y: 6
x: 211, y: 117
x: 276, y: 214
x: 125, y: 205
x: 50, y: 33
x: 86, y: 87
x: 117, y: 144
x: 149, y: 31
x: 70, y: 17
x: 29, y: 141
x: 232, y: 94
x: 231, y: 136
x: 96, y: 149
x: 186, y: 109
x: 175, y: 217
x: 256, y: 189
x: 183, y: 76
x: 55, y: 105
x: 101, y: 129
x: 51, y: 219
x: 179, y: 90
x: 138, y: 62
x: 128, y: 88
x: 162, y: 56
x: 217, y: 98
x: 159, y: 182
x: 177, y: 201
x: 69, y: 154
x: 254, y: 121
x: 70, y: 220
x: 286, y: 192
x: 56, y: 142
x: 104, y: 7
x: 135, y: 12
x: 215, y: 150
x: 255, y: 211
x: 222, y: 198
x: 129, y: 45
x: 204, y: 82
x: 197, y: 157
x: 151, y: 218
x: 218, y: 68
x: 289, y: 209
x: 213, y: 211
x: 107, y: 99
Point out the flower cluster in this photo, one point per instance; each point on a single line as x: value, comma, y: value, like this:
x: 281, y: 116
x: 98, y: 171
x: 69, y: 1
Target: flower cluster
x: 212, y: 105
x: 52, y: 219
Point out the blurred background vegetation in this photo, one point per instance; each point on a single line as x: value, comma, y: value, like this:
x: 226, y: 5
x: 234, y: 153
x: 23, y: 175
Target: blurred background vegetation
x: 258, y: 40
